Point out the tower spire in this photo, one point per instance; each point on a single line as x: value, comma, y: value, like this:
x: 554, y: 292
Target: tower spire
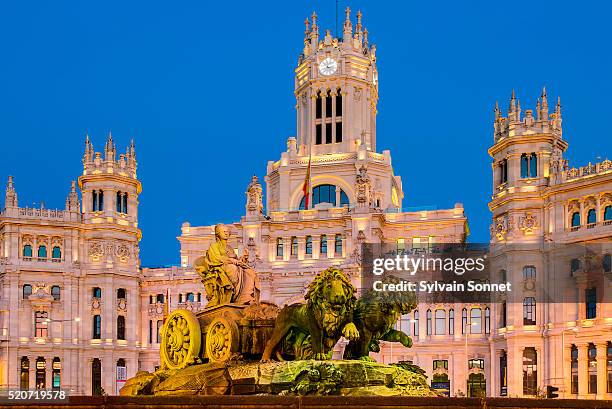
x: 10, y: 198
x: 72, y: 201
x: 89, y: 150
x: 109, y: 148
x: 544, y: 107
x: 347, y: 33
x: 497, y: 111
x: 314, y: 34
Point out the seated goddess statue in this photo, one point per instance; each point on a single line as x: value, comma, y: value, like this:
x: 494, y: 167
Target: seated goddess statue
x: 227, y: 279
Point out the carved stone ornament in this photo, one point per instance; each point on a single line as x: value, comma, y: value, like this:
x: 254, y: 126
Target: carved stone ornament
x: 528, y: 223
x: 363, y: 187
x: 254, y: 197
x: 122, y: 304
x: 123, y: 252
x: 95, y: 249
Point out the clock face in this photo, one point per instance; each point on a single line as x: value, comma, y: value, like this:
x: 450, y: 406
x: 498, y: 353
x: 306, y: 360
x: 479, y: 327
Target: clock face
x: 328, y: 66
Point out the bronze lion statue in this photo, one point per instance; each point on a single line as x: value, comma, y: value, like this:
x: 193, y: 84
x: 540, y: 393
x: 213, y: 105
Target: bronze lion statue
x: 310, y: 330
x: 375, y: 315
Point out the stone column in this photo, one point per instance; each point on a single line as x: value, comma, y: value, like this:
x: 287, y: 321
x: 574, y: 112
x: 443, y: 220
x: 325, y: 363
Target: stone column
x: 601, y: 368
x: 583, y: 370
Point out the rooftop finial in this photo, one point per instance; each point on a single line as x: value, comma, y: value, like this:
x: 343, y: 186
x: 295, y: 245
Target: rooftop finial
x: 497, y: 111
x: 544, y: 108
x: 307, y: 27
x: 358, y: 26
x: 365, y: 37
x: 512, y: 108
x: 10, y: 198
x: 347, y: 33
x: 109, y: 149
x: 72, y: 201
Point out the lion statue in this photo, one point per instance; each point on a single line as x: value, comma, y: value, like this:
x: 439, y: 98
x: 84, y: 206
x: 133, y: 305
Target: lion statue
x: 375, y: 315
x: 310, y: 330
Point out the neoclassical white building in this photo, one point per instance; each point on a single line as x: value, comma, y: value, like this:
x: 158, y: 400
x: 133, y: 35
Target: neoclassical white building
x: 82, y: 314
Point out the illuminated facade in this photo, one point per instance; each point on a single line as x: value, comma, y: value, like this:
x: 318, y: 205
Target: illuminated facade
x: 88, y: 310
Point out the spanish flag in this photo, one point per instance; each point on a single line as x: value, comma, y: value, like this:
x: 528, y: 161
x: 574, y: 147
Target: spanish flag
x: 306, y: 188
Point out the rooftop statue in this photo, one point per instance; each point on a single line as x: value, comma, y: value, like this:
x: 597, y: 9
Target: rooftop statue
x: 227, y: 278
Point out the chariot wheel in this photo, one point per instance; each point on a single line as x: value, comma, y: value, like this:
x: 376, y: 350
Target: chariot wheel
x: 181, y: 339
x: 222, y: 340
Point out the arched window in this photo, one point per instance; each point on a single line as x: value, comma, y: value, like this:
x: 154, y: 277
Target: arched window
x: 487, y: 320
x: 440, y: 322
x: 125, y: 203
x: 42, y: 251
x: 57, y: 369
x: 294, y: 246
x: 27, y: 291
x: 41, y: 373
x: 55, y: 292
x: 24, y: 376
x: 529, y: 272
x: 451, y: 322
x: 328, y: 104
x: 338, y: 102
x: 118, y: 202
x: 96, y: 377
x: 533, y: 165
x: 607, y: 213
x: 606, y: 263
x: 428, y: 322
x: 574, y: 370
x: 524, y: 166
x: 94, y: 201
x: 416, y: 323
x: 574, y: 265
x: 96, y: 292
x: 279, y: 247
x: 308, y: 244
x: 529, y: 311
x: 97, y: 327
x: 121, y: 327
x: 591, y: 216
x: 323, y: 244
x: 575, y: 219
x: 100, y: 200
x: 56, y: 253
x: 27, y: 250
x: 338, y: 245
x: 190, y: 297
x: 464, y: 321
x: 530, y: 371
x: 475, y: 321
x: 318, y: 107
x: 503, y: 171
x: 121, y: 293
x: 199, y: 297
x: 476, y: 385
x: 325, y: 194
x: 592, y: 371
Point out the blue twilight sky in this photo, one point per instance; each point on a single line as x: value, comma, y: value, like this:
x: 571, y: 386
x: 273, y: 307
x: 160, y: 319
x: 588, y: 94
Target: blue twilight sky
x: 206, y: 90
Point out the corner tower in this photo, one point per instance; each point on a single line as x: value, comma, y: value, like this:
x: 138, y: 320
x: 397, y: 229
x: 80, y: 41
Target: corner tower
x: 336, y: 87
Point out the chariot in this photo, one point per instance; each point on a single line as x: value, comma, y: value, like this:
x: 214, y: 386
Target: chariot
x: 216, y: 334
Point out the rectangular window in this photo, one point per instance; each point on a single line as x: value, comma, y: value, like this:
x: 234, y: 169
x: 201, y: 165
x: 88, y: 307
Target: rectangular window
x: 279, y: 247
x: 318, y: 108
x: 592, y: 356
x: 440, y: 322
x: 97, y: 327
x: 503, y: 374
x: 609, y: 366
x: 319, y: 134
x: 339, y: 103
x: 294, y: 246
x: 591, y: 303
x: 440, y: 364
x: 160, y: 323
x: 574, y: 370
x: 150, y: 331
x: 451, y: 322
x: 328, y: 106
x: 338, y: 132
x: 308, y: 244
x: 328, y: 133
x: 338, y: 246
x: 323, y: 244
x: 40, y: 324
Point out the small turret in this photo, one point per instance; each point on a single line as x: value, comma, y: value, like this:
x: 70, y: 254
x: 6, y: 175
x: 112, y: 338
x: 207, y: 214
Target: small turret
x: 359, y: 29
x: 543, y: 110
x: 10, y: 198
x: 72, y: 201
x: 314, y: 34
x: 88, y: 156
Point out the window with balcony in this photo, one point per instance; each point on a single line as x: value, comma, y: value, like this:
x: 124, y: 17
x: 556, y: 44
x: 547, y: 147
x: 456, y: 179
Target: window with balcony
x: 27, y: 251
x: 529, y: 165
x: 56, y: 253
x: 325, y: 194
x: 591, y: 216
x: 42, y: 251
x: 607, y: 213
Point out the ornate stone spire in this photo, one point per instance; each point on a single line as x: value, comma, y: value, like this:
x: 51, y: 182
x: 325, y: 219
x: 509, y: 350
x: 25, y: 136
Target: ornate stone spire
x: 10, y: 199
x: 89, y: 150
x: 314, y: 33
x: 544, y: 106
x: 306, y: 30
x: 497, y: 111
x: 72, y: 201
x: 109, y: 148
x: 347, y: 33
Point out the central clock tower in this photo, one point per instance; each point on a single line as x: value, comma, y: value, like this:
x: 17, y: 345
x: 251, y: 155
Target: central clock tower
x: 336, y: 87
